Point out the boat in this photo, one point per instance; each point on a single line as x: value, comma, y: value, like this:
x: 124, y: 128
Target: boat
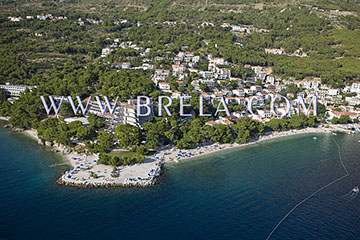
x: 334, y: 134
x: 314, y: 138
x: 355, y: 189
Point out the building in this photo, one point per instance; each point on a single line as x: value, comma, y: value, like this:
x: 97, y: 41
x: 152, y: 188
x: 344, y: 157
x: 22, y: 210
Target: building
x: 274, y: 51
x: 125, y: 113
x: 164, y: 86
x: 333, y: 92
x: 355, y: 87
x: 207, y: 74
x: 105, y: 52
x: 239, y: 92
x: 122, y: 65
x: 209, y: 82
x: 14, y: 90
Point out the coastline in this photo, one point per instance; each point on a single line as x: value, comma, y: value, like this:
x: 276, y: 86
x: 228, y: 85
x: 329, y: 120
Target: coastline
x: 85, y: 172
x: 172, y: 155
x: 83, y: 166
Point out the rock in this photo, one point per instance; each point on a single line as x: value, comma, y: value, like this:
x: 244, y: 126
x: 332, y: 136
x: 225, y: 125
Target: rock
x: 47, y: 143
x: 17, y: 129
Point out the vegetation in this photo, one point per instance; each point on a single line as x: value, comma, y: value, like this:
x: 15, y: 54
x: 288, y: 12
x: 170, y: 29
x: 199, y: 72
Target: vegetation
x: 63, y: 57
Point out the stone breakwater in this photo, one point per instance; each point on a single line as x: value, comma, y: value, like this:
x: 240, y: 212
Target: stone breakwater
x: 86, y: 173
x: 147, y: 182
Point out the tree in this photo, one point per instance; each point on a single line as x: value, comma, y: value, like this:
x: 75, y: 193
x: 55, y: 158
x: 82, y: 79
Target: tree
x: 141, y: 150
x: 26, y: 110
x: 222, y: 134
x: 128, y: 135
x: 105, y: 140
x: 247, y: 129
x: 3, y: 96
x: 95, y: 121
x: 341, y: 120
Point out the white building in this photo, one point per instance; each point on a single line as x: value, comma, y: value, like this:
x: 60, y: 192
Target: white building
x: 239, y: 92
x: 207, y: 74
x: 105, y: 52
x: 274, y: 51
x: 355, y: 87
x: 333, y: 92
x: 122, y: 65
x: 164, y: 86
x: 124, y: 113
x: 14, y: 90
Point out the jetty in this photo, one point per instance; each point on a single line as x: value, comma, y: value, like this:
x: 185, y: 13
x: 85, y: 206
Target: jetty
x: 87, y: 173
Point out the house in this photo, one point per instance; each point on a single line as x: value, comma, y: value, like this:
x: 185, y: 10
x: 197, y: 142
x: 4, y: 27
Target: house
x: 159, y: 58
x: 207, y: 74
x: 352, y: 101
x: 219, y: 61
x: 227, y: 122
x: 274, y: 51
x: 162, y: 73
x: 230, y: 100
x: 240, y: 114
x: 164, y: 86
x: 265, y: 113
x: 270, y: 79
x: 271, y: 87
x: 206, y: 96
x: 211, y: 123
x: 256, y: 88
x: 241, y: 100
x: 15, y: 19
x: 196, y: 59
x: 209, y: 82
x: 122, y: 65
x: 177, y: 60
x: 240, y: 29
x: 178, y: 68
x: 311, y: 85
x: 355, y: 87
x: 338, y: 114
x: 239, y: 92
x: 249, y: 91
x: 333, y: 92
x: 208, y: 24
x: 175, y: 94
x: 147, y: 66
x: 105, y: 52
x: 146, y: 53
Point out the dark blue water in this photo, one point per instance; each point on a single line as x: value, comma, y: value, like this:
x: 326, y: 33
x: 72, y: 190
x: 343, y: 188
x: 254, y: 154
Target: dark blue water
x: 238, y: 194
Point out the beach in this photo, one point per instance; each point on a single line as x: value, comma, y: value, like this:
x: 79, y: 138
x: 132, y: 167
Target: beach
x: 174, y: 155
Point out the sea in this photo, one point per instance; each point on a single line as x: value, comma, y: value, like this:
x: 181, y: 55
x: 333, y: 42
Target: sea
x: 241, y: 193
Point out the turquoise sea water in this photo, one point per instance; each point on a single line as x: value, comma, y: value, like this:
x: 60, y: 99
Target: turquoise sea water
x: 237, y: 194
